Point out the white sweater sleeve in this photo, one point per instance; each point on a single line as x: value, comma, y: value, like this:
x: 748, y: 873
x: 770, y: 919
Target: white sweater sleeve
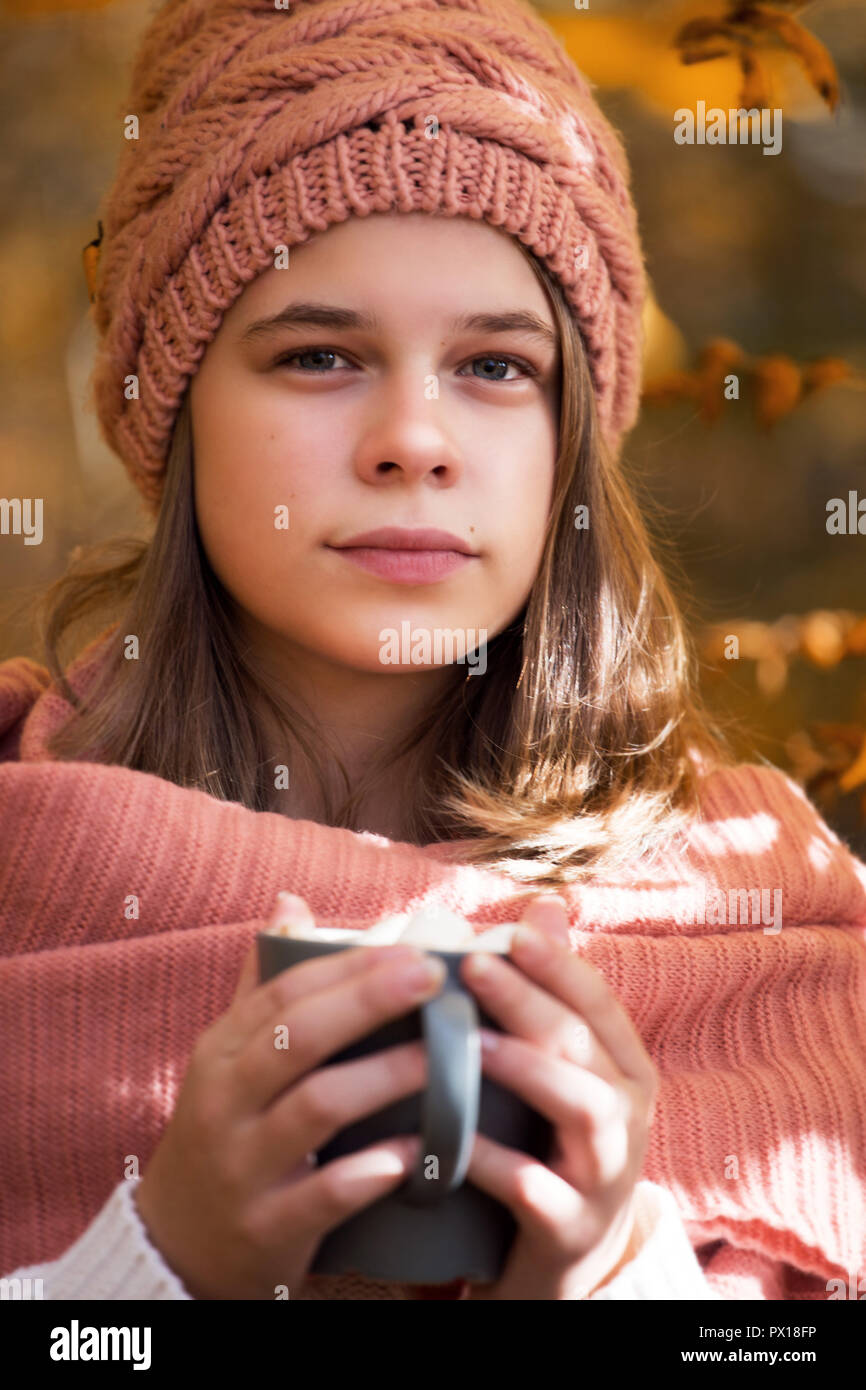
x: 665, y: 1266
x: 112, y: 1259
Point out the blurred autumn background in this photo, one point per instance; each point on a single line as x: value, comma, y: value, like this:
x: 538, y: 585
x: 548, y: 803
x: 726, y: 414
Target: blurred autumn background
x: 758, y: 269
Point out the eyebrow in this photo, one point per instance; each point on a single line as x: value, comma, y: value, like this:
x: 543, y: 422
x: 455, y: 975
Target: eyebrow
x: 310, y: 314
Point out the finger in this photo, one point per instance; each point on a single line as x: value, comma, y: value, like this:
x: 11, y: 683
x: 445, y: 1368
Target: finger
x: 592, y: 1118
x: 585, y: 990
x: 549, y: 912
x: 331, y: 1098
x: 301, y: 1168
x: 306, y: 1210
x: 314, y: 1027
x: 548, y: 1209
x: 290, y: 911
x: 268, y: 1000
x: 248, y: 978
x: 528, y: 1011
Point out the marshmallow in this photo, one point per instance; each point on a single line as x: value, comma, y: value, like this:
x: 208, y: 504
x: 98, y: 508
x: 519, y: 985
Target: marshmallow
x: 431, y: 928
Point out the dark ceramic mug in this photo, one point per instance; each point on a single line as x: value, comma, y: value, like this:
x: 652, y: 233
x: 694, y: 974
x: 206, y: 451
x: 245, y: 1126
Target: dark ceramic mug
x: 436, y: 1226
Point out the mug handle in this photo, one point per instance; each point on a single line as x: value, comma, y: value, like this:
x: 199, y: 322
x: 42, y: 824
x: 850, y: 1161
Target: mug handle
x: 450, y: 1104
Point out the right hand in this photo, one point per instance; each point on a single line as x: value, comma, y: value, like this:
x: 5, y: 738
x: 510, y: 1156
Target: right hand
x: 229, y: 1197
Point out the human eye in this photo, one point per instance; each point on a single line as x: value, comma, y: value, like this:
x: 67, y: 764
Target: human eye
x: 328, y: 354
x: 495, y: 360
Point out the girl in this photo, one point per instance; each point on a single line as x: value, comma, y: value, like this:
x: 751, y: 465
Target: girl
x: 369, y: 292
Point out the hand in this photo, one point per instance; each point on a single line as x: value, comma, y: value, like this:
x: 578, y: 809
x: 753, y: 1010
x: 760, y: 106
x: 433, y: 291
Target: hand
x: 570, y: 1051
x: 230, y: 1197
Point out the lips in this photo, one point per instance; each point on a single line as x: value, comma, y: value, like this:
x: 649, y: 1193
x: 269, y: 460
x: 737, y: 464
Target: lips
x: 421, y: 556
x: 402, y: 538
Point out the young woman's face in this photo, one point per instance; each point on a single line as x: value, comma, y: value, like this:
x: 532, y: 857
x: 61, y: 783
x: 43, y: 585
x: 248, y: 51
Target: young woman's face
x: 372, y: 400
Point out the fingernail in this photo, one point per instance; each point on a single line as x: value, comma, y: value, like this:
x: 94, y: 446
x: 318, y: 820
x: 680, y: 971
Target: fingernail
x: 529, y: 940
x: 424, y: 976
x: 291, y: 911
x: 489, y: 1041
x: 478, y: 966
x: 291, y: 900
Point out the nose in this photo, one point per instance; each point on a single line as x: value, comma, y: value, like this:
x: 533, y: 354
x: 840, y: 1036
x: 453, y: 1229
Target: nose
x: 405, y: 438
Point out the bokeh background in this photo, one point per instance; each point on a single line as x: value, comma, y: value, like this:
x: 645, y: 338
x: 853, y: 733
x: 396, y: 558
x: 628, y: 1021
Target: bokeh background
x: 758, y: 266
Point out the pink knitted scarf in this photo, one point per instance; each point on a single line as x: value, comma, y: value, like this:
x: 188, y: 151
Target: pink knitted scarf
x: 759, y: 1036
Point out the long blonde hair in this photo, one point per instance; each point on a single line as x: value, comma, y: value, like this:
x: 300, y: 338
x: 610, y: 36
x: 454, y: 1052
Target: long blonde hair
x: 572, y: 754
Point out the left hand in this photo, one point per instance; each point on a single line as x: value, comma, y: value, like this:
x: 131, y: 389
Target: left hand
x: 569, y: 1050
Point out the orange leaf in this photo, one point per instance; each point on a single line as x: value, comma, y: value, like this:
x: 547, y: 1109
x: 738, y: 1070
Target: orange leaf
x: 90, y: 259
x: 822, y: 640
x: 715, y: 361
x: 697, y: 54
x: 855, y: 641
x: 856, y: 774
x: 670, y: 388
x: 755, y: 91
x: 813, y: 55
x: 718, y: 355
x: 825, y: 371
x: 698, y: 31
x: 778, y: 386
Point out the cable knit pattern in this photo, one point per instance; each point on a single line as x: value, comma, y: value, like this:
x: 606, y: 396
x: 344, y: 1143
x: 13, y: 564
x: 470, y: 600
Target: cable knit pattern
x: 259, y: 127
x: 759, y: 1036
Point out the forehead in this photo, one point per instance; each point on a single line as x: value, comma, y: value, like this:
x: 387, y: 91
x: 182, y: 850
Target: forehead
x: 396, y: 263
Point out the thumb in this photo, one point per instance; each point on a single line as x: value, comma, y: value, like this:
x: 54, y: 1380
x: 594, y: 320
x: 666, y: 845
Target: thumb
x: 248, y: 979
x: 290, y: 911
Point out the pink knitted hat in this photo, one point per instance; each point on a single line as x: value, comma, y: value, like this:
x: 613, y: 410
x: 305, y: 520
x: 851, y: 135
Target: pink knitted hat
x: 260, y: 126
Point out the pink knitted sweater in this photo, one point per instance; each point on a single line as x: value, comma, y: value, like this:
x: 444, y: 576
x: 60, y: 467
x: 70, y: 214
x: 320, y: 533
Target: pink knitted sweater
x: 759, y: 1033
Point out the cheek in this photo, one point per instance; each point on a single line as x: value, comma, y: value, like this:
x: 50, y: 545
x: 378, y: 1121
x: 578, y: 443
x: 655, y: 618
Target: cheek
x: 248, y: 457
x: 258, y: 497
x: 515, y: 515
x: 526, y: 489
